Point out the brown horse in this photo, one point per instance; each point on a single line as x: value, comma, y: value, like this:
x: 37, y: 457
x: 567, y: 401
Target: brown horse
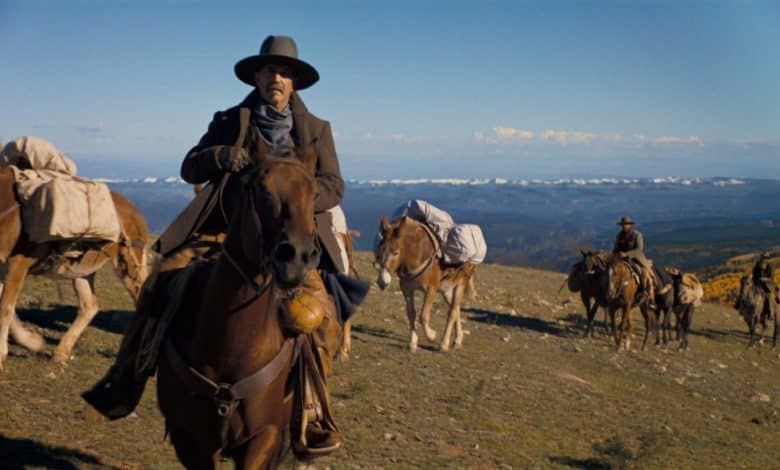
x: 752, y: 305
x: 409, y: 249
x: 586, y: 277
x: 686, y: 294
x: 230, y: 329
x: 346, y: 334
x: 21, y: 257
x: 623, y: 289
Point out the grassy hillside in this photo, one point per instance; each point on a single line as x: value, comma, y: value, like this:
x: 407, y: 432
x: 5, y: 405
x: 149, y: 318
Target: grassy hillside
x: 525, y: 391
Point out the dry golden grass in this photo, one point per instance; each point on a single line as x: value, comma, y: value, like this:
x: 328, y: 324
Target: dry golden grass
x: 525, y: 391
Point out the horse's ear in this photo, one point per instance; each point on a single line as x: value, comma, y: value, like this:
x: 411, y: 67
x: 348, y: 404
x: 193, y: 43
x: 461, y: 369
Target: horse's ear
x: 403, y: 221
x: 584, y: 255
x: 308, y: 156
x: 384, y: 224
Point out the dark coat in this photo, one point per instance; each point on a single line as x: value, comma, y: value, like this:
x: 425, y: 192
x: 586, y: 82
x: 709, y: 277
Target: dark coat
x: 200, y: 166
x: 763, y: 277
x: 631, y: 243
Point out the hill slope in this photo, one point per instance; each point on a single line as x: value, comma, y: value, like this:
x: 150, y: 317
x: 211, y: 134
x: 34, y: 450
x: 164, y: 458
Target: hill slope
x: 525, y: 390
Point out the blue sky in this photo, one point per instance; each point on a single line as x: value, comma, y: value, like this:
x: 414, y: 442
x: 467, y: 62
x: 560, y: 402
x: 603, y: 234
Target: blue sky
x: 447, y: 89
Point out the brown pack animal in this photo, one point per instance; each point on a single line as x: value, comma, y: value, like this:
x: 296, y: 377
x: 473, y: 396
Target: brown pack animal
x: 346, y: 334
x: 586, y: 277
x: 21, y: 258
x: 622, y: 292
x: 750, y: 304
x: 224, y: 373
x: 409, y: 249
x: 686, y: 294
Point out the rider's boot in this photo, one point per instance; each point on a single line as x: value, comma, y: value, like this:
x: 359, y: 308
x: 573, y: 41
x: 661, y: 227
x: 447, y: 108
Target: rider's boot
x: 117, y: 394
x: 314, y: 431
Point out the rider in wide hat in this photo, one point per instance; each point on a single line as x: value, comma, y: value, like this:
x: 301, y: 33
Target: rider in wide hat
x: 271, y: 119
x: 630, y: 244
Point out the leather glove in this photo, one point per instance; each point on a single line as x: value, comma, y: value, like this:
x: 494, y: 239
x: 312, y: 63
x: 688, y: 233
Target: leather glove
x: 232, y: 159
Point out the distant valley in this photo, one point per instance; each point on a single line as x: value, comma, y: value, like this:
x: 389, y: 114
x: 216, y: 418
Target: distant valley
x: 694, y: 223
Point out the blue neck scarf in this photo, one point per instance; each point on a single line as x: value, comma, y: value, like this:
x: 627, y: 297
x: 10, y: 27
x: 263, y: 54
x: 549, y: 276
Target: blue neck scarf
x: 274, y: 126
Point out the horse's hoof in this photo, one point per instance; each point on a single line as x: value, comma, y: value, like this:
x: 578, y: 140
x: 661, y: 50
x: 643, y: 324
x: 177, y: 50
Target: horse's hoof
x: 458, y: 345
x: 430, y: 333
x: 60, y: 357
x: 343, y: 356
x: 444, y: 348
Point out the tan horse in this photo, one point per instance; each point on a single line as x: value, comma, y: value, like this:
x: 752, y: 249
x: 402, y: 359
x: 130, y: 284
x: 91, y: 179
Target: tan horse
x: 346, y: 334
x: 623, y: 288
x: 232, y: 398
x: 21, y: 257
x: 411, y: 250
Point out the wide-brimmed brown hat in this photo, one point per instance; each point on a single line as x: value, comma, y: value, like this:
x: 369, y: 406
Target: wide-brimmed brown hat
x: 626, y: 220
x: 277, y: 50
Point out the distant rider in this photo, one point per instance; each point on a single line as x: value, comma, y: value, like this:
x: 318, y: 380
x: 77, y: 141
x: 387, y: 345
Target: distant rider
x: 630, y: 245
x: 763, y: 277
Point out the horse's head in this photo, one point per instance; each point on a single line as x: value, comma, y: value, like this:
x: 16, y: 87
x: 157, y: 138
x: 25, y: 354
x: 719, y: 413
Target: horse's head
x: 277, y: 223
x: 388, y: 252
x: 594, y: 262
x: 677, y: 278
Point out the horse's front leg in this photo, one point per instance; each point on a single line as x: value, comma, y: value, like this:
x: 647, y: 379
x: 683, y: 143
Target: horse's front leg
x: 629, y: 326
x: 425, y: 313
x: 617, y: 330
x: 458, y: 295
x: 18, y: 266
x: 88, y: 308
x: 452, y: 312
x: 686, y: 327
x: 649, y: 323
x: 261, y: 452
x: 589, y: 313
x: 411, y: 317
x: 752, y: 329
x: 346, y: 340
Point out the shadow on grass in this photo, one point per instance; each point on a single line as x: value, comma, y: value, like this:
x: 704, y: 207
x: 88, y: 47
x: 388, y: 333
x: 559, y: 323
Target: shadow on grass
x: 59, y: 318
x: 502, y: 319
x: 398, y: 341
x: 26, y: 453
x: 588, y: 464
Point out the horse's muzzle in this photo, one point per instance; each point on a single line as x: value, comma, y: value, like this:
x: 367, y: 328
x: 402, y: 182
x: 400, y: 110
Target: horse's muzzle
x: 384, y: 279
x: 292, y: 260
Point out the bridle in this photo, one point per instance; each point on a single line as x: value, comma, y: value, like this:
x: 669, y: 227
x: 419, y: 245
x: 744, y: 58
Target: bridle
x: 402, y: 271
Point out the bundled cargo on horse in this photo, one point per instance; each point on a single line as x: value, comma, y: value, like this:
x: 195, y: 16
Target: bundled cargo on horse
x: 56, y: 204
x: 459, y: 243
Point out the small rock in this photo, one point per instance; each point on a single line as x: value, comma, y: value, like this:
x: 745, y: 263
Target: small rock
x: 577, y: 348
x: 51, y: 376
x: 762, y: 397
x: 466, y: 332
x: 506, y: 338
x: 379, y: 409
x: 388, y: 436
x: 680, y: 380
x: 668, y: 430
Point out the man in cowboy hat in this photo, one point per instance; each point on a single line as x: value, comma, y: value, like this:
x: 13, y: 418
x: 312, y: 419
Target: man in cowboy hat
x: 271, y: 118
x: 764, y: 277
x: 630, y: 244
